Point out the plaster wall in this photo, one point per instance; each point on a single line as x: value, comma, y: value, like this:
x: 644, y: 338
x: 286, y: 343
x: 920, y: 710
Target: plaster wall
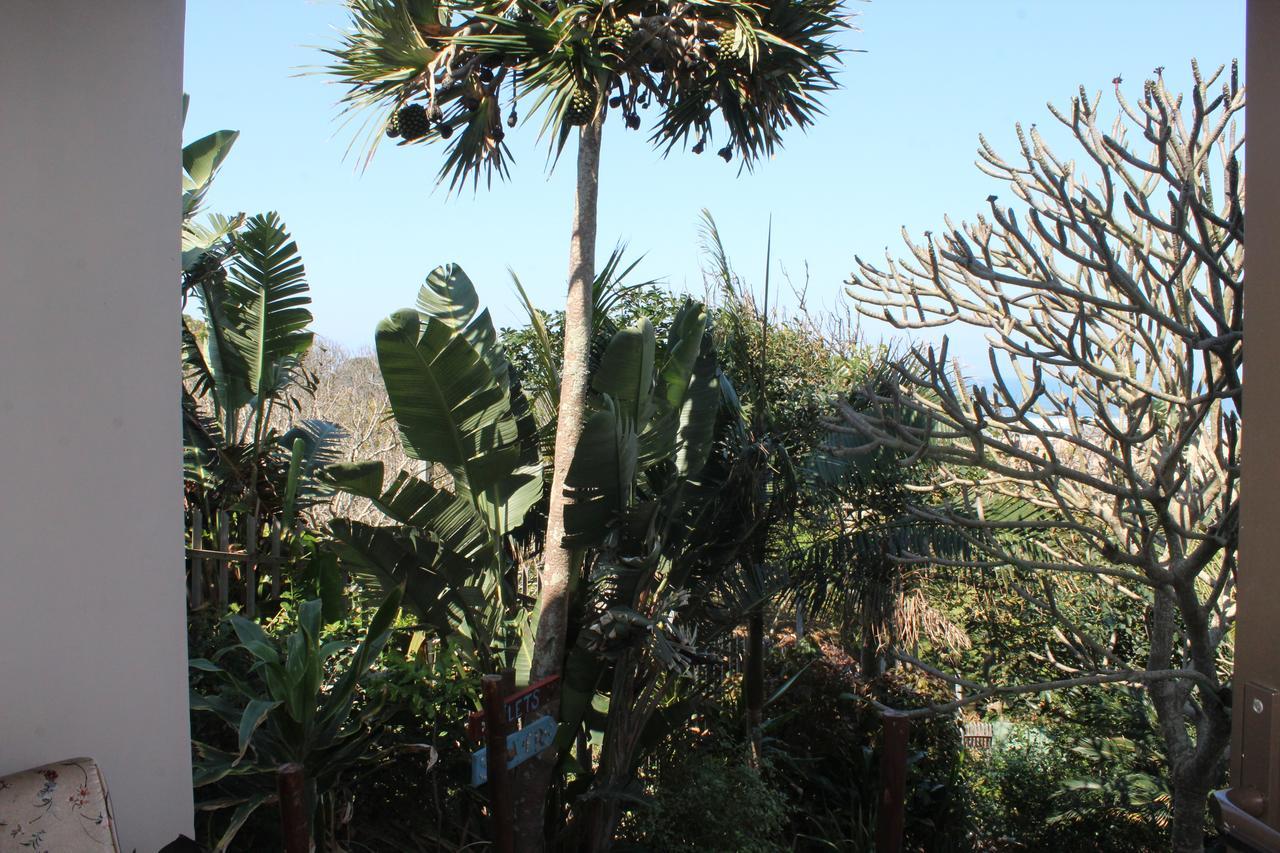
x: 92, y: 610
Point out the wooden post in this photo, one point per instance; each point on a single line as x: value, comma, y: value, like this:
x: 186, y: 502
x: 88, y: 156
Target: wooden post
x: 275, y: 560
x: 295, y: 823
x: 495, y: 700
x: 251, y: 566
x: 893, y: 782
x: 224, y: 545
x: 753, y: 680
x: 197, y: 563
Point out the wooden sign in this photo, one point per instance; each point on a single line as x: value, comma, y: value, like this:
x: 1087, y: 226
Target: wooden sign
x: 518, y: 704
x: 521, y: 746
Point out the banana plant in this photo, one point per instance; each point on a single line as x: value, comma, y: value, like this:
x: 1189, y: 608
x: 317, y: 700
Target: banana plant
x: 663, y: 494
x: 244, y: 357
x: 200, y: 162
x: 454, y: 400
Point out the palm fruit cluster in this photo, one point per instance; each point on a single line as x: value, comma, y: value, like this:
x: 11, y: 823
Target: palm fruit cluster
x: 619, y: 28
x: 582, y: 107
x: 726, y: 45
x: 393, y: 125
x: 412, y: 122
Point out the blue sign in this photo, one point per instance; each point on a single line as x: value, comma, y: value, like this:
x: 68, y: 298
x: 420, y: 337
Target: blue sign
x: 521, y: 746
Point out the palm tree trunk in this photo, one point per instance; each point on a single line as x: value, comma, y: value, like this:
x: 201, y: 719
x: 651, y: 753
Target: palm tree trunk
x: 558, y: 561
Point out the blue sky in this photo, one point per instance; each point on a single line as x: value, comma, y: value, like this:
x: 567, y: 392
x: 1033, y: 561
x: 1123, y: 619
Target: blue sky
x: 896, y: 148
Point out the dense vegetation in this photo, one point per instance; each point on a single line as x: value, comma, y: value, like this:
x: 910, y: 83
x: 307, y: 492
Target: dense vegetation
x: 771, y: 531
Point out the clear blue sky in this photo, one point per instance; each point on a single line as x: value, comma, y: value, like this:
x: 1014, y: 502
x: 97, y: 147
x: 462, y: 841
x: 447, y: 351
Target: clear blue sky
x: 896, y: 148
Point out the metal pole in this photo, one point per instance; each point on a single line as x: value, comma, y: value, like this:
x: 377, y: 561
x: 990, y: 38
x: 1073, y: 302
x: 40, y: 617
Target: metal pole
x: 893, y: 783
x: 499, y: 780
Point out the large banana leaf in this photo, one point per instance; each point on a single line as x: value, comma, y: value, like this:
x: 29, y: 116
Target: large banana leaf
x: 450, y: 297
x: 625, y: 372
x: 446, y: 401
x: 451, y: 519
x: 449, y: 597
x: 642, y: 417
x: 708, y: 391
x: 213, y: 359
x: 599, y: 478
x: 200, y: 161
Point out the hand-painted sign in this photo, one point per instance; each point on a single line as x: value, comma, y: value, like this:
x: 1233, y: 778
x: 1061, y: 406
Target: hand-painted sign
x: 518, y: 704
x: 521, y: 746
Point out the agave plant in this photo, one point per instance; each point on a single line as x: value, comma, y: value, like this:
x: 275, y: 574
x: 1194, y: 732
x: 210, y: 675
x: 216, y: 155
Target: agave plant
x: 289, y: 710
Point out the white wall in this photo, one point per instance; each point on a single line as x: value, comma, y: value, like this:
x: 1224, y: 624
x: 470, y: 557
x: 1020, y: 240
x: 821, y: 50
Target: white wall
x: 92, y: 619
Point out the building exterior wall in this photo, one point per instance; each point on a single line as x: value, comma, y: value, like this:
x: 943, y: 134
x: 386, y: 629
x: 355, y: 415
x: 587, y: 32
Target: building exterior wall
x: 92, y: 612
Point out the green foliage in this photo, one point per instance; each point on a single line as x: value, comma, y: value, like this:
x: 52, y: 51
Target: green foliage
x: 1086, y: 776
x: 821, y: 738
x: 775, y: 61
x: 453, y: 397
x: 712, y: 799
x: 200, y: 162
x: 787, y: 365
x: 243, y: 356
x: 292, y: 705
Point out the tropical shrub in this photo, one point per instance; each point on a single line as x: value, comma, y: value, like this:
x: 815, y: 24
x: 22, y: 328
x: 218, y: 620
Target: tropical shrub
x: 295, y: 704
x: 713, y: 799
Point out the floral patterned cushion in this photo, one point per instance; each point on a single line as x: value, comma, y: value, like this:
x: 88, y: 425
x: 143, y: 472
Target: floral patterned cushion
x: 58, y: 808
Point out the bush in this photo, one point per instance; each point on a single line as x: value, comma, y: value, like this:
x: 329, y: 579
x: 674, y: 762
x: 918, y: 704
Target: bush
x: 1060, y: 784
x: 714, y: 801
x: 826, y: 736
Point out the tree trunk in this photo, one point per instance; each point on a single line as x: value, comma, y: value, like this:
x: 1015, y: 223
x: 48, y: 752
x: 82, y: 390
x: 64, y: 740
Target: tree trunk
x: 549, y: 639
x: 869, y: 653
x: 1194, y: 760
x: 1186, y: 832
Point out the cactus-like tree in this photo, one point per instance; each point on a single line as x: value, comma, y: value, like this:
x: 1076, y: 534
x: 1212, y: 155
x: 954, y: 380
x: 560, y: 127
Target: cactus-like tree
x: 735, y: 73
x: 1113, y: 305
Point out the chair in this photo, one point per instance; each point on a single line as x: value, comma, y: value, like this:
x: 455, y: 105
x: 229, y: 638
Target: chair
x: 58, y: 808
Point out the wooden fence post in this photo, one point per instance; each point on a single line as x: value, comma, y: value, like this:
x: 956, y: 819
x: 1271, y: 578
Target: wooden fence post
x: 891, y: 816
x: 275, y: 561
x: 495, y: 701
x: 295, y: 823
x: 197, y: 564
x: 224, y: 543
x: 251, y: 566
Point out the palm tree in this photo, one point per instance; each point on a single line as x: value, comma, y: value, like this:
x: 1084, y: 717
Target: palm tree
x: 448, y: 73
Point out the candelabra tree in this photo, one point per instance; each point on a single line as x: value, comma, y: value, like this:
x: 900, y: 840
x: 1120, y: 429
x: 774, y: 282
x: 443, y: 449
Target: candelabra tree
x: 1111, y: 422
x: 459, y: 73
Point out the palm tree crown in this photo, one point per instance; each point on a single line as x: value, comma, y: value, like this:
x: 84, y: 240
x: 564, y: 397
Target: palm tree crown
x: 461, y: 72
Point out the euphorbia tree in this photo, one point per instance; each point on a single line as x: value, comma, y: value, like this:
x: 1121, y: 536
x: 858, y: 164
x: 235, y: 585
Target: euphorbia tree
x: 460, y: 72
